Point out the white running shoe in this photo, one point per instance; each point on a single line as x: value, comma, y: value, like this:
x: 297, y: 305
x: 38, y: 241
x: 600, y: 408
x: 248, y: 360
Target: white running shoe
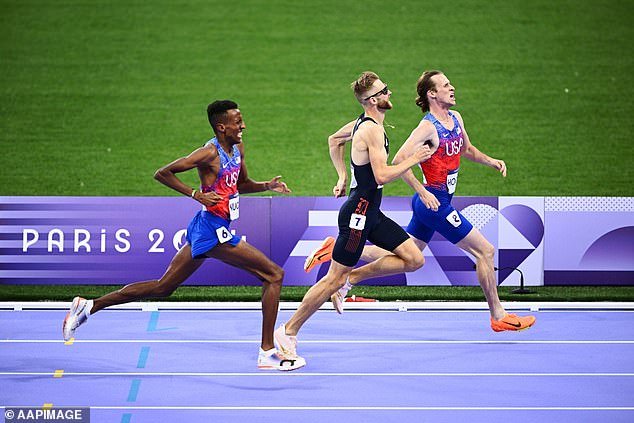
x: 271, y: 360
x: 75, y: 317
x: 339, y: 297
x: 286, y: 344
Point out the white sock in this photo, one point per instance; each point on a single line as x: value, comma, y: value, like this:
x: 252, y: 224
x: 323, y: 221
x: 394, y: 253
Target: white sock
x: 267, y: 353
x: 89, y: 304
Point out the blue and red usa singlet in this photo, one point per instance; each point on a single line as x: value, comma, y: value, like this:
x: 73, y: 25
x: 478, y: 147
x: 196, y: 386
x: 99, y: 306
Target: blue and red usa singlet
x: 440, y: 176
x: 441, y: 169
x: 226, y: 184
x: 210, y: 226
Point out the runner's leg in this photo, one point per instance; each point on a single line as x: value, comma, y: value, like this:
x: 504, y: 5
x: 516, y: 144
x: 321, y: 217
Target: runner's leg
x: 247, y: 257
x: 180, y: 268
x: 317, y: 295
x: 407, y: 257
x: 476, y: 244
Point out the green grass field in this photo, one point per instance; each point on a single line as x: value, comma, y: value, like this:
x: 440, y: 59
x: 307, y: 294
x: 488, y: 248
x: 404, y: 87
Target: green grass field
x: 95, y: 96
x: 296, y: 293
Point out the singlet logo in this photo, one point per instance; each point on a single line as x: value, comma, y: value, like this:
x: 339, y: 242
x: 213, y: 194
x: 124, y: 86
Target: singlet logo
x: 454, y: 146
x: 231, y: 179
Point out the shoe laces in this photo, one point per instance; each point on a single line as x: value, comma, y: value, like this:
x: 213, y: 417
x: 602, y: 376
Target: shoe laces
x: 79, y: 319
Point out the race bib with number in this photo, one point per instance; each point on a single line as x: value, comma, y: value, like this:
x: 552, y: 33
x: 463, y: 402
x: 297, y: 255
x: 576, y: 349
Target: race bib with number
x: 454, y: 218
x: 234, y: 207
x: 357, y: 221
x: 223, y: 234
x: 452, y: 181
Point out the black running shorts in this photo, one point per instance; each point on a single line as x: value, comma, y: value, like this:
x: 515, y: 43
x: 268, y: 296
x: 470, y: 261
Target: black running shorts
x: 361, y: 221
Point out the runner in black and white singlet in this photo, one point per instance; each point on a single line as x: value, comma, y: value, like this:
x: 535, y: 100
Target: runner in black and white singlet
x: 360, y: 217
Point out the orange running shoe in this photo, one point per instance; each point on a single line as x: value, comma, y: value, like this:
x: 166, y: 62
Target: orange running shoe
x: 512, y: 322
x: 320, y: 255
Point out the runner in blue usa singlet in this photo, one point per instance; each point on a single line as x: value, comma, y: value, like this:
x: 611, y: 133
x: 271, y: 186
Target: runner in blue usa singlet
x: 440, y: 177
x: 210, y: 226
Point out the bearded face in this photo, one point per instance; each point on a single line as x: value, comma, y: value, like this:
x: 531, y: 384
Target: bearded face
x: 384, y: 103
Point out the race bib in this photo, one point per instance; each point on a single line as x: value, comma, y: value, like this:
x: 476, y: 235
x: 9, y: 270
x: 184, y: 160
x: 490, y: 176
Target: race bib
x: 223, y: 234
x: 454, y: 218
x: 234, y: 207
x: 357, y: 221
x: 452, y: 181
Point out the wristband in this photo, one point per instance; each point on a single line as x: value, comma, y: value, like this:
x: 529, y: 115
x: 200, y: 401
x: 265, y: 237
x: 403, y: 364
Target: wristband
x: 193, y: 193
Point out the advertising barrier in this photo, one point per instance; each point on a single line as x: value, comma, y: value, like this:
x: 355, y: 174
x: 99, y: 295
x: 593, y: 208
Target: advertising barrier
x: 118, y: 240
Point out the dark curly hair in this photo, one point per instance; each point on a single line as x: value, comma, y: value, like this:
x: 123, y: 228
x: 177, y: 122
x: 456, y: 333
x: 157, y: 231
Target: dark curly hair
x: 217, y: 110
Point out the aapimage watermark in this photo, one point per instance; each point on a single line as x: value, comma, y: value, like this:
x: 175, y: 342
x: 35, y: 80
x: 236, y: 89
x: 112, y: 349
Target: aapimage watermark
x: 46, y: 415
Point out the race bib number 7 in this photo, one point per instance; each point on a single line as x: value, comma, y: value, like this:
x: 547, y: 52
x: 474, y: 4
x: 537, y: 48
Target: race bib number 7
x: 357, y: 221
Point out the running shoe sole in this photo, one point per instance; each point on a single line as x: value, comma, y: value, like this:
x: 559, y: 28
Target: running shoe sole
x: 320, y: 255
x: 511, y: 322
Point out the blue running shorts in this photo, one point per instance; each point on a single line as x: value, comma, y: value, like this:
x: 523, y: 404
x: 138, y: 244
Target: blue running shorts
x: 207, y: 230
x: 447, y: 221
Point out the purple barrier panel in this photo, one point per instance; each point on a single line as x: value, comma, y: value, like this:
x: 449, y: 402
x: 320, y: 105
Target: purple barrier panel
x: 589, y: 241
x: 521, y: 240
x: 117, y: 240
x: 111, y: 240
x: 445, y: 263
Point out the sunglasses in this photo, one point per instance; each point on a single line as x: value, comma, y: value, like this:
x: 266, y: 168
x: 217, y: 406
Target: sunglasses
x: 382, y: 92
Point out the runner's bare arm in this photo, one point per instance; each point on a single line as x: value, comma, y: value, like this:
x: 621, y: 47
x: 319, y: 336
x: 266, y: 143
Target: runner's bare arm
x: 421, y: 135
x: 372, y: 136
x: 201, y: 157
x: 337, y: 147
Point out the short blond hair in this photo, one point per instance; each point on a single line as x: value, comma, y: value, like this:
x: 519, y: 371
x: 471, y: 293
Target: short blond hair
x: 363, y: 83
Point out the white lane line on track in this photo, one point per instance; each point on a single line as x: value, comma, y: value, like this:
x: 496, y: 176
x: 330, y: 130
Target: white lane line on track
x: 314, y: 341
x: 353, y: 307
x: 342, y: 408
x: 320, y: 374
x: 394, y: 310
